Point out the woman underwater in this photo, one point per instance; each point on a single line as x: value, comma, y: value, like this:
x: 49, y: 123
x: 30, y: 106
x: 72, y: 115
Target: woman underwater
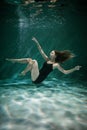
x: 51, y: 63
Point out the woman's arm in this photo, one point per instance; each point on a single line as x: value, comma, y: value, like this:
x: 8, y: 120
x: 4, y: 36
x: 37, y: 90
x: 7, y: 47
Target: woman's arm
x: 66, y: 71
x: 40, y: 49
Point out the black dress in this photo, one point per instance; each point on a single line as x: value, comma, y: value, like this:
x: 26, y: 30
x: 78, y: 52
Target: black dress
x: 44, y: 72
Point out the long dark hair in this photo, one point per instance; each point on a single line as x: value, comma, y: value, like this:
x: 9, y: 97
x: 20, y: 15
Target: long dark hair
x: 62, y: 56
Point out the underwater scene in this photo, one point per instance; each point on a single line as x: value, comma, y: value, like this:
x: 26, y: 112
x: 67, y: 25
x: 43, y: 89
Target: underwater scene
x: 60, y: 101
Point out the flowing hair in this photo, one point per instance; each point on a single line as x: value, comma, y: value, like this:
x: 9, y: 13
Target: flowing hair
x: 62, y: 56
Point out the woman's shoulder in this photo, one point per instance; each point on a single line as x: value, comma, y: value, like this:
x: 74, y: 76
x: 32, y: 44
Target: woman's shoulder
x: 55, y: 65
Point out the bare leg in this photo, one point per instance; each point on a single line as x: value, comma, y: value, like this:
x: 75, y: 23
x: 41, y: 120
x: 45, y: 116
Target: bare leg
x: 53, y: 1
x: 33, y: 68
x: 28, y: 68
x: 22, y: 60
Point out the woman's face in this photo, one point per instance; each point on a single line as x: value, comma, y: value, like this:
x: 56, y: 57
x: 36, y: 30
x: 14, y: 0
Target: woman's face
x: 52, y: 55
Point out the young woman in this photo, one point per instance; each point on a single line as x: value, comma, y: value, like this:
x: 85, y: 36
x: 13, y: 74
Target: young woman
x: 51, y: 63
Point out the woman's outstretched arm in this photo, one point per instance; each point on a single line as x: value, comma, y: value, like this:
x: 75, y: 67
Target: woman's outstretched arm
x: 40, y: 49
x: 57, y: 66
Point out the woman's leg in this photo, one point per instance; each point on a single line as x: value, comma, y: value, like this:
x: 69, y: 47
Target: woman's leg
x: 28, y: 68
x: 22, y: 60
x: 33, y: 68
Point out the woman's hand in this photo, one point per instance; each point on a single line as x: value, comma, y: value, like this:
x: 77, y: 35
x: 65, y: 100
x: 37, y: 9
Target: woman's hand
x: 33, y: 38
x: 77, y: 67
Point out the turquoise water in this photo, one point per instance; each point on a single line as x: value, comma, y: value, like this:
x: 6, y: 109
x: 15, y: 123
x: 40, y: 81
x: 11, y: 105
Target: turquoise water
x: 59, y: 102
x: 54, y: 105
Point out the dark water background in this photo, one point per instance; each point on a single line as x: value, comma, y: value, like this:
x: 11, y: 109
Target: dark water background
x: 60, y: 102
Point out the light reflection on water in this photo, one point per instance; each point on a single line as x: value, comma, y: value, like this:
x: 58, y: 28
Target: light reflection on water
x: 53, y: 105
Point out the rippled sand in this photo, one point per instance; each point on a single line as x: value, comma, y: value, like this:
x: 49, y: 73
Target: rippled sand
x: 53, y: 105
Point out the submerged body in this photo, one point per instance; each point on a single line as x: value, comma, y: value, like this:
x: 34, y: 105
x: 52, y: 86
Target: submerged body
x: 56, y: 57
x: 37, y: 75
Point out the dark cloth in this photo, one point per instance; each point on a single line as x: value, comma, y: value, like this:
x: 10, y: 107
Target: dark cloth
x: 44, y: 72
